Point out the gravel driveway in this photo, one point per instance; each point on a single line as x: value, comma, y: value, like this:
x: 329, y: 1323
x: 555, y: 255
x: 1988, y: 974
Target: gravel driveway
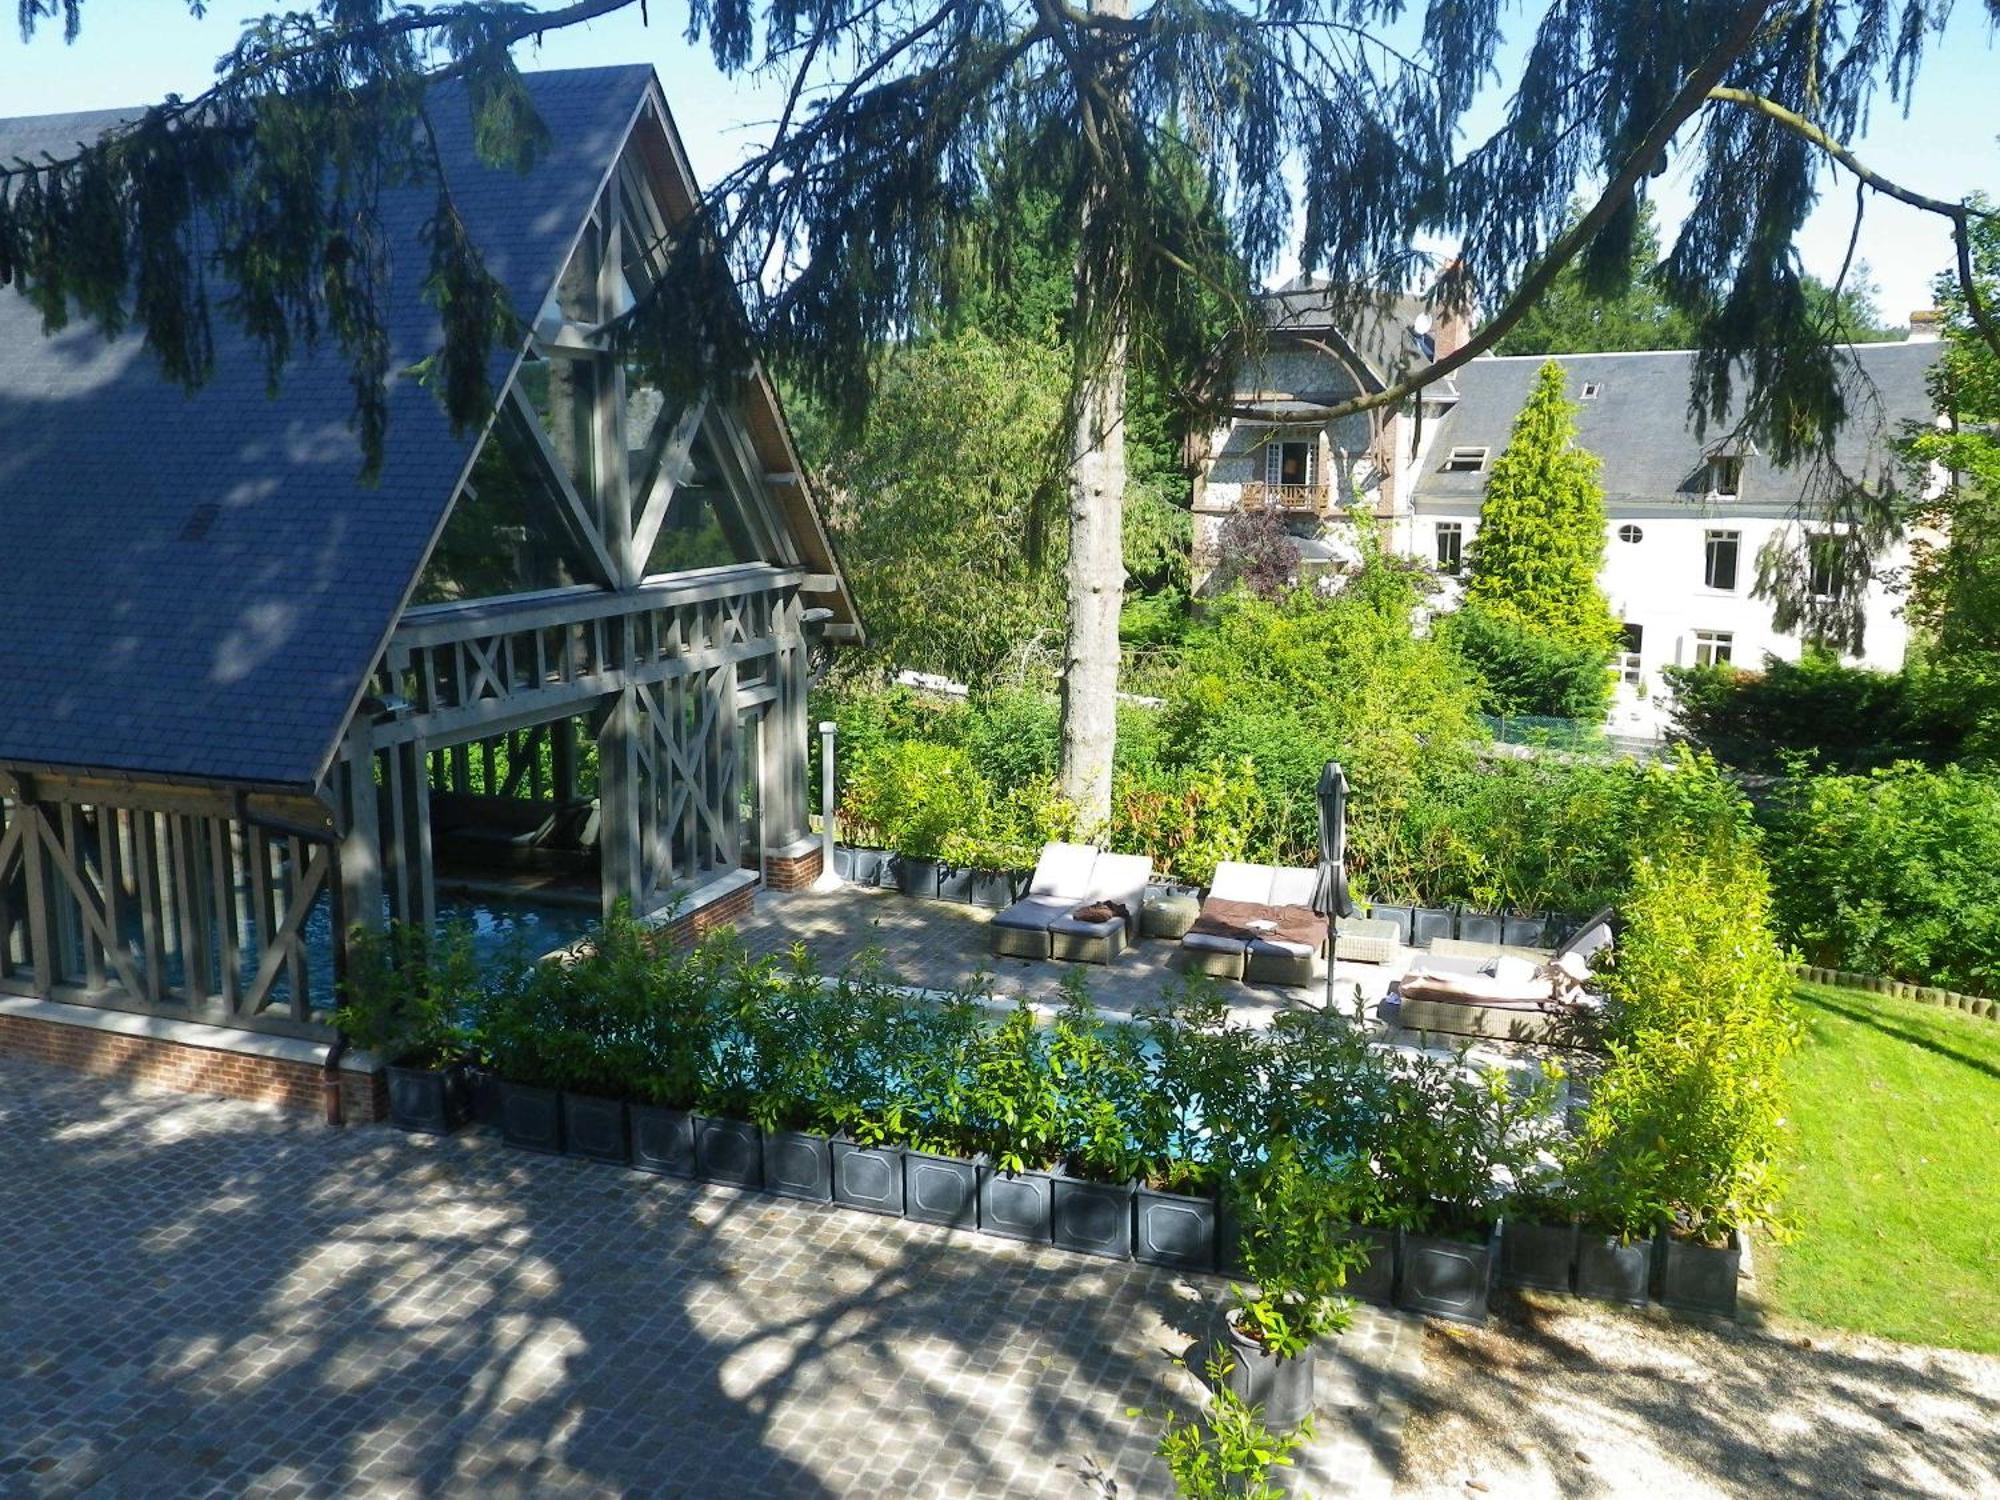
x: 1567, y: 1398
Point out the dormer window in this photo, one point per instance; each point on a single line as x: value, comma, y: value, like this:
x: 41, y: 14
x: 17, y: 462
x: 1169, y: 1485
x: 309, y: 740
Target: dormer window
x: 1464, y: 461
x: 1725, y: 475
x: 1592, y: 390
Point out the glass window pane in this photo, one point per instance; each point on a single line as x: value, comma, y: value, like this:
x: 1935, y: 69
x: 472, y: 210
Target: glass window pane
x: 702, y: 529
x: 562, y: 392
x: 505, y: 534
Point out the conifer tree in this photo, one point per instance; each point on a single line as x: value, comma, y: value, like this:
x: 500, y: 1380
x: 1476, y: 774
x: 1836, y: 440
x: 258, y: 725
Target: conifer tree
x: 1540, y: 543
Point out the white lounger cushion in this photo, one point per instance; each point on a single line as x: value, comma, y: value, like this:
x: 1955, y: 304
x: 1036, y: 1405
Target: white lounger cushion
x: 1064, y: 870
x: 1117, y: 876
x: 1293, y: 887
x: 1235, y: 881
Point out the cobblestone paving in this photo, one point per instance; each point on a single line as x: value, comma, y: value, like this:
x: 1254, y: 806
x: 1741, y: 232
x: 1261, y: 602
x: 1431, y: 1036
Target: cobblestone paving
x: 206, y: 1297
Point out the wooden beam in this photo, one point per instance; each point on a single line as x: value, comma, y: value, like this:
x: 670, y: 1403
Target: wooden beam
x: 667, y: 475
x: 581, y: 521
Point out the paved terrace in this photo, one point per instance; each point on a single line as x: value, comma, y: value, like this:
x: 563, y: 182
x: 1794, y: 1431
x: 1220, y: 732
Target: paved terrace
x: 942, y: 945
x: 210, y: 1298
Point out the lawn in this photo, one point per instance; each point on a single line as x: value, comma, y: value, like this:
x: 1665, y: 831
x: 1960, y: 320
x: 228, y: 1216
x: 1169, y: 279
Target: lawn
x: 1895, y: 1192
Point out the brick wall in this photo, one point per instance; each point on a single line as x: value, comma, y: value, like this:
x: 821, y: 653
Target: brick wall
x: 795, y: 873
x: 691, y: 927
x: 190, y: 1069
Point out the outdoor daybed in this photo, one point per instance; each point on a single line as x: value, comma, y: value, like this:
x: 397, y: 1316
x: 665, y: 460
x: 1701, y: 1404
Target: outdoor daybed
x: 1258, y: 925
x: 1506, y: 996
x: 1082, y: 905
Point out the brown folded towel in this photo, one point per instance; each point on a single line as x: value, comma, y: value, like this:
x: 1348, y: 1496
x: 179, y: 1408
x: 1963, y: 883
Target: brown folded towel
x: 1104, y: 911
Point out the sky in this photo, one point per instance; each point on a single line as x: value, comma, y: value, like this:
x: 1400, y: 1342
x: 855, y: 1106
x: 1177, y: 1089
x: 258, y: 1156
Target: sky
x: 136, y: 51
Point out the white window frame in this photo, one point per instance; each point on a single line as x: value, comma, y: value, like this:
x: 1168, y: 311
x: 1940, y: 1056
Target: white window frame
x: 1831, y: 592
x: 1729, y: 465
x: 1630, y: 662
x: 1456, y: 531
x: 1469, y: 460
x: 1638, y: 534
x: 1714, y: 648
x: 1274, y: 459
x: 1592, y: 389
x: 1709, y: 539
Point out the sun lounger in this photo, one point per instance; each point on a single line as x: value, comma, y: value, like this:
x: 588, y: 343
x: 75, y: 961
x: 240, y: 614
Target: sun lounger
x: 1258, y: 925
x: 1506, y: 996
x: 1055, y: 920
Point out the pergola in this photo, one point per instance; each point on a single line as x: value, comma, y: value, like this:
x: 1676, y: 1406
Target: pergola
x: 248, y: 702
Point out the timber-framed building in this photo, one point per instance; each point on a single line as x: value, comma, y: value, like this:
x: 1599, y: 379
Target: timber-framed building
x: 248, y: 701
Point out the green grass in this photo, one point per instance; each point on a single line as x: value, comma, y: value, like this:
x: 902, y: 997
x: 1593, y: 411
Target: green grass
x: 1895, y: 1192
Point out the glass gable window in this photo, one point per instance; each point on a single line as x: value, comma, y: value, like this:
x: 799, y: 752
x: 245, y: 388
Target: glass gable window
x: 562, y: 393
x: 703, y: 528
x: 506, y: 533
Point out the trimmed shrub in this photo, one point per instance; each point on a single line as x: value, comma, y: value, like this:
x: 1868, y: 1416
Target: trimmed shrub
x: 1523, y: 670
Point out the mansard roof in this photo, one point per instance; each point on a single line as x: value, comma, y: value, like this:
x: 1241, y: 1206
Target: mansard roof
x: 1637, y: 423
x: 196, y: 585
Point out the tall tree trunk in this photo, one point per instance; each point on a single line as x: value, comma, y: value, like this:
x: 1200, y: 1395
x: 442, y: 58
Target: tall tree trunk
x: 1096, y: 571
x: 1096, y: 578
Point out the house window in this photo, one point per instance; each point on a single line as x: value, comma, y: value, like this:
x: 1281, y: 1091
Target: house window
x: 1291, y: 461
x: 1631, y: 534
x: 1712, y: 648
x: 1725, y: 475
x: 1631, y: 640
x: 1464, y: 461
x: 1719, y: 568
x: 1823, y: 568
x: 1450, y: 545
x: 1592, y: 390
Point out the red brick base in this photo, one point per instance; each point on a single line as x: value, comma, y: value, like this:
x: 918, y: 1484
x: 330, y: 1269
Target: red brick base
x: 191, y: 1069
x: 691, y: 927
x: 796, y: 873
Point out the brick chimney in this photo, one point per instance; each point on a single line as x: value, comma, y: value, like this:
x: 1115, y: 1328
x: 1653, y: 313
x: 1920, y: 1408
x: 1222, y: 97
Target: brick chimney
x: 1452, y: 310
x: 1925, y: 325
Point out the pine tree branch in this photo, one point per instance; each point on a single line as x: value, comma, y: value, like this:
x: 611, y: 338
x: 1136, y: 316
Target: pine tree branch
x: 1687, y: 101
x: 1960, y: 214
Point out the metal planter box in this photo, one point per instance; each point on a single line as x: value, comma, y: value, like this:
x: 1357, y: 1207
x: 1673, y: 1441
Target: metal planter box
x: 859, y: 866
x: 663, y: 1140
x: 1481, y: 927
x: 729, y: 1151
x: 1015, y: 1205
x: 1092, y: 1217
x: 940, y: 1190
x: 798, y: 1164
x: 1698, y: 1278
x: 916, y: 877
x: 595, y: 1128
x: 1174, y: 1229
x: 1375, y: 1281
x: 1542, y: 1256
x: 1282, y: 1388
x: 435, y: 1101
x: 1428, y: 923
x: 954, y: 884
x: 531, y: 1118
x: 1613, y: 1270
x: 1451, y: 1279
x: 995, y: 889
x: 868, y: 1177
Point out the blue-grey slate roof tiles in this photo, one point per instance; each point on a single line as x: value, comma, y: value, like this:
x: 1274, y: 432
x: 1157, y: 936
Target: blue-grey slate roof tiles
x: 131, y: 641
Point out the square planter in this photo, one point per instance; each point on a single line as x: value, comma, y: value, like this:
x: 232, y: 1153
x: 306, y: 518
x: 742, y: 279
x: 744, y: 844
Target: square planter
x: 954, y: 884
x: 663, y: 1140
x: 595, y: 1128
x: 1375, y: 1282
x: 798, y: 1164
x: 435, y: 1101
x: 1451, y: 1279
x: 1481, y: 927
x: 995, y: 888
x: 1015, y: 1205
x: 1613, y: 1270
x: 1092, y: 1217
x: 940, y: 1190
x: 1698, y: 1278
x: 1526, y: 930
x: 1174, y: 1229
x: 1428, y: 923
x: 1400, y: 915
x: 868, y: 1177
x: 1542, y: 1256
x: 916, y: 877
x: 483, y: 1092
x: 730, y: 1151
x: 859, y: 866
x: 531, y: 1118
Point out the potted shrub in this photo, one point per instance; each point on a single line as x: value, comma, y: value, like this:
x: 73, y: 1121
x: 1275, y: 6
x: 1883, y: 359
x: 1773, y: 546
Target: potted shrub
x: 879, y: 1035
x: 410, y: 999
x: 675, y: 1034
x: 1103, y: 1077
x: 519, y: 1031
x: 1619, y: 1221
x: 1017, y: 1106
x: 1297, y: 1254
x: 795, y: 1028
x: 1540, y: 1246
x: 916, y: 793
x: 936, y: 1062
x: 728, y: 1146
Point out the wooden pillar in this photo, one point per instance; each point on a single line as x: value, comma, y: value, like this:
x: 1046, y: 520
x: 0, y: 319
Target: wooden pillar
x: 359, y: 820
x: 618, y: 794
x: 41, y: 944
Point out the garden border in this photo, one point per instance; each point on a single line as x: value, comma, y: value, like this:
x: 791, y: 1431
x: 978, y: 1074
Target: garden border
x: 1902, y: 989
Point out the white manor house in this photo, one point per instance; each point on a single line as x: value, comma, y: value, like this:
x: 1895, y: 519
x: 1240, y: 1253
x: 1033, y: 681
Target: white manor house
x: 1686, y: 519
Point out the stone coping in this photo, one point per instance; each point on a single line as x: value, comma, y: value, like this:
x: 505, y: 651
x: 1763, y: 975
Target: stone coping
x: 207, y: 1035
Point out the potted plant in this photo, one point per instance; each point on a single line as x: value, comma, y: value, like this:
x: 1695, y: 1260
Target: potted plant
x: 1017, y: 1105
x: 915, y: 794
x: 1296, y: 1253
x: 516, y: 1031
x: 1203, y: 1073
x: 870, y: 1101
x: 410, y: 999
x: 1540, y: 1247
x: 674, y: 1035
x: 937, y: 1064
x: 728, y: 1145
x: 1103, y: 1077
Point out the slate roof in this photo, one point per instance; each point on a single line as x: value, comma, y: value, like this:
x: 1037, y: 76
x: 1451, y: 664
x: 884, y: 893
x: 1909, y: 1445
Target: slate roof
x: 1638, y: 424
x: 1377, y: 328
x: 130, y: 643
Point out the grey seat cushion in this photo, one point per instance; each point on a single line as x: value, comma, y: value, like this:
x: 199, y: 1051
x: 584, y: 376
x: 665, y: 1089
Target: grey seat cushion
x: 1036, y: 913
x: 1211, y: 942
x: 1076, y: 926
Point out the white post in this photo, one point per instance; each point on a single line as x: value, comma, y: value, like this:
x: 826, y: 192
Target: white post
x: 829, y: 878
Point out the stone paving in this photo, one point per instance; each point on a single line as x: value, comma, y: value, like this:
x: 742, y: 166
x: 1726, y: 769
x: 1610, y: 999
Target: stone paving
x: 205, y: 1297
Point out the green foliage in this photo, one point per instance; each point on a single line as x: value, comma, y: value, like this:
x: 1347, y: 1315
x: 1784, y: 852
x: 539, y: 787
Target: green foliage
x: 1445, y: 1145
x: 912, y: 795
x: 1896, y: 873
x: 1188, y: 820
x: 1104, y: 1078
x: 1688, y: 1113
x: 1540, y: 543
x: 1227, y: 1453
x: 1294, y: 1244
x: 1016, y: 1102
x: 1840, y: 717
x: 1522, y: 670
x: 410, y: 996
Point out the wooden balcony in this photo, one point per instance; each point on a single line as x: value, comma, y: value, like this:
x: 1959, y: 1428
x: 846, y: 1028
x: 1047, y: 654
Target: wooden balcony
x: 1288, y: 499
